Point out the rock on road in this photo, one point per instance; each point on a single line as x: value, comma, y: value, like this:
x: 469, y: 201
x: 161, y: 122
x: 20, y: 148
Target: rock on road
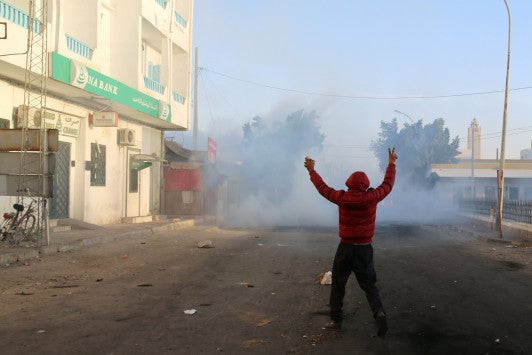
x: 257, y: 291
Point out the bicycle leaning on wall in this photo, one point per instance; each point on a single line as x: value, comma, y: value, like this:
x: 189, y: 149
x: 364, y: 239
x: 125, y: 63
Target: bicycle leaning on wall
x: 19, y: 225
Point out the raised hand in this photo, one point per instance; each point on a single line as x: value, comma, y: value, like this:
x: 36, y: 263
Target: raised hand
x: 392, y: 157
x: 309, y: 164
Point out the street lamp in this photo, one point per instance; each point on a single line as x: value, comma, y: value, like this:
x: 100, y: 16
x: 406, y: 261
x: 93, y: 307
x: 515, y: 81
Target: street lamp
x: 500, y: 172
x: 404, y: 114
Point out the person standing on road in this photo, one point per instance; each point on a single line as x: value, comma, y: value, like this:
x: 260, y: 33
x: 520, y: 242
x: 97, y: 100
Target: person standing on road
x: 357, y: 208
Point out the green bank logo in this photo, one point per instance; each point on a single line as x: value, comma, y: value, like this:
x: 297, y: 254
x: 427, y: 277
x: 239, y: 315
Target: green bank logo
x: 90, y: 80
x: 79, y: 74
x: 165, y: 111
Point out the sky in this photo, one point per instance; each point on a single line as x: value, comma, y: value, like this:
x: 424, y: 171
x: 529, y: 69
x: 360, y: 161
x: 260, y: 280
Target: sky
x: 357, y: 63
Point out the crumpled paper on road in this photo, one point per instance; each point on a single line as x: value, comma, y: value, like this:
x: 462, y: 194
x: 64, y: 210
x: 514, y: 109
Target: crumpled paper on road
x: 326, y: 279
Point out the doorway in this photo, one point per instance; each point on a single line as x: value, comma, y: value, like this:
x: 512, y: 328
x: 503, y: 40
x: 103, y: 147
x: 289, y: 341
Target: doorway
x: 60, y: 202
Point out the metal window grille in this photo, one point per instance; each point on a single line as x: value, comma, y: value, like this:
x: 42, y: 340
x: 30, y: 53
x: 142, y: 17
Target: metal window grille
x: 97, y: 164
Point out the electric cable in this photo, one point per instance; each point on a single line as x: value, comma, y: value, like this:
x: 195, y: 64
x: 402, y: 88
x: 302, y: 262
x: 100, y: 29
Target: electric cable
x: 366, y: 97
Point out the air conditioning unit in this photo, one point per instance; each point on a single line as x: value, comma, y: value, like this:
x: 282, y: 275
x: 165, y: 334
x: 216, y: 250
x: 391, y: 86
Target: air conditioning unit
x: 126, y: 136
x: 30, y: 118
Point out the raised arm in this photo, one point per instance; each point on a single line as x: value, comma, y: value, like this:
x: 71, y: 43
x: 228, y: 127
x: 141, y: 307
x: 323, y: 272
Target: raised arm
x: 389, y: 178
x: 329, y: 193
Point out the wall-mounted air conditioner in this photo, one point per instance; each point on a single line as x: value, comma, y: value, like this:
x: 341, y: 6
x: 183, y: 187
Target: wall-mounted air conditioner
x: 126, y: 136
x: 31, y: 118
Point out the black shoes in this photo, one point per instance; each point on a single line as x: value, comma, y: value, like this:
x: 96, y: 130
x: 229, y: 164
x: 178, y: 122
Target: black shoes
x: 380, y: 318
x: 382, y: 325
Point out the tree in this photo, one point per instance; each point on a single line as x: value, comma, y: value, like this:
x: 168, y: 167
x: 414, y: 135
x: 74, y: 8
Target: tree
x: 270, y: 153
x: 418, y: 147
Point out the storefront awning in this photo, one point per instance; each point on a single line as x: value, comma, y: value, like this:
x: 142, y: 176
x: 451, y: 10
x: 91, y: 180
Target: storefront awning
x: 143, y: 161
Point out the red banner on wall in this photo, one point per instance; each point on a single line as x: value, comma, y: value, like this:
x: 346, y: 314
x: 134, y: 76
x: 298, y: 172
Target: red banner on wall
x: 182, y: 179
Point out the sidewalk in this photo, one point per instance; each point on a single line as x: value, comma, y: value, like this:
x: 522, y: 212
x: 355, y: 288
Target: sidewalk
x: 85, y: 234
x: 516, y: 233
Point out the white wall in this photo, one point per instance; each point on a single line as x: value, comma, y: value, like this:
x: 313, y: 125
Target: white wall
x: 114, y: 30
x: 6, y: 92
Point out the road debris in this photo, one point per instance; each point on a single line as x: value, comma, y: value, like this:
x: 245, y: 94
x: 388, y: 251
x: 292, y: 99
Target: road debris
x: 252, y: 342
x: 326, y: 279
x: 190, y: 311
x: 64, y: 286
x: 264, y: 322
x: 206, y: 244
x: 145, y: 285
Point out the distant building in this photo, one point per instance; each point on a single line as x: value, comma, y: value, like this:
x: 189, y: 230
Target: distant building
x: 118, y: 78
x: 527, y: 153
x: 477, y: 178
x: 474, y: 134
x: 190, y: 182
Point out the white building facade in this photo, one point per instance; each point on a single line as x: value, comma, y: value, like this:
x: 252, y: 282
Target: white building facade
x: 119, y: 76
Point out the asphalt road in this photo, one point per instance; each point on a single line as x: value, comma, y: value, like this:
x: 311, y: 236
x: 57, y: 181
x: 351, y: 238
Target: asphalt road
x: 258, y: 291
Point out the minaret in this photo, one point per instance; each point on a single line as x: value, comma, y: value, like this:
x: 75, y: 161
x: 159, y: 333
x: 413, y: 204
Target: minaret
x: 473, y: 139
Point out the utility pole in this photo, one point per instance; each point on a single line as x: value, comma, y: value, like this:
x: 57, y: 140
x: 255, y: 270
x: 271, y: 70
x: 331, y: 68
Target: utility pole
x: 500, y: 175
x: 35, y: 101
x: 473, y: 192
x: 195, y: 128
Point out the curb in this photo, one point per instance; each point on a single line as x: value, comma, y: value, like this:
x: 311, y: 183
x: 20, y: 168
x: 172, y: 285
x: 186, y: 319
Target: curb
x: 522, y: 231
x: 515, y: 243
x: 495, y: 240
x: 22, y: 254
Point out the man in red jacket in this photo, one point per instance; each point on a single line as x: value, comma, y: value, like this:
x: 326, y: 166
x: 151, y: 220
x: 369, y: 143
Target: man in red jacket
x: 357, y: 208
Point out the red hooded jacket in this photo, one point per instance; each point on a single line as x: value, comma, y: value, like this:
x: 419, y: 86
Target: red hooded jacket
x: 357, y: 207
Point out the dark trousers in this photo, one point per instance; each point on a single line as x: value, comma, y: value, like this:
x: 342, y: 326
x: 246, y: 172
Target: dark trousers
x: 358, y: 259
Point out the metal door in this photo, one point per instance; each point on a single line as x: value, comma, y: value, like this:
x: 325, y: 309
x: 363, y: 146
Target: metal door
x: 59, y: 204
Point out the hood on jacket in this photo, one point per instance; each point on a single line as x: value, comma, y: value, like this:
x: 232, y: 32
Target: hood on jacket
x: 358, y: 181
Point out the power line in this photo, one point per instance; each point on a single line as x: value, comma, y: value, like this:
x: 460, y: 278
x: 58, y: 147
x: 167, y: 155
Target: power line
x: 364, y: 97
x: 494, y: 135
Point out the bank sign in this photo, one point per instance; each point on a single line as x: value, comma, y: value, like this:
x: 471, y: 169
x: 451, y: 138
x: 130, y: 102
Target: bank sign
x: 77, y: 74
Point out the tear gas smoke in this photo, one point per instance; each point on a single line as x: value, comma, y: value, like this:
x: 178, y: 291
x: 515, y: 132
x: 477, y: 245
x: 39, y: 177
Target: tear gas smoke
x: 266, y: 184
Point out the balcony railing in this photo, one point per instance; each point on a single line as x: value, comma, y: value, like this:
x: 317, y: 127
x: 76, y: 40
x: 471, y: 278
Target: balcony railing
x: 152, y: 85
x: 179, y: 19
x: 19, y: 17
x: 178, y: 97
x: 78, y: 47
